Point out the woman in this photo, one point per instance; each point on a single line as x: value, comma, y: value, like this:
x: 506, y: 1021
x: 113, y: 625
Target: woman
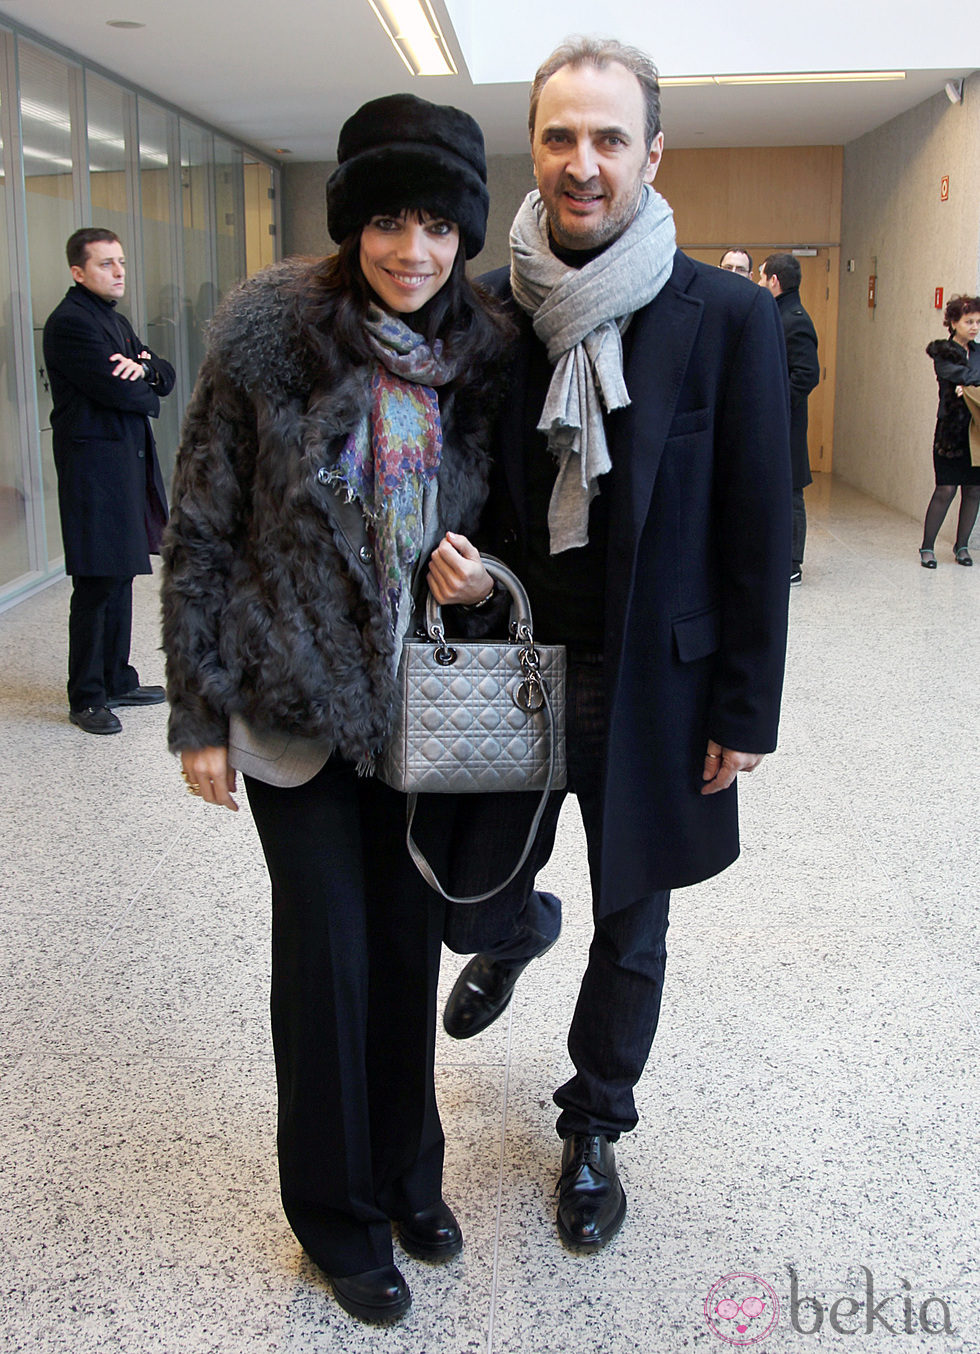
x: 957, y: 363
x: 335, y: 436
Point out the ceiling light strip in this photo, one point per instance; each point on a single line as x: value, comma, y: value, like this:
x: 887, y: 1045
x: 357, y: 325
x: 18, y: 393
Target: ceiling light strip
x: 797, y: 78
x: 413, y: 30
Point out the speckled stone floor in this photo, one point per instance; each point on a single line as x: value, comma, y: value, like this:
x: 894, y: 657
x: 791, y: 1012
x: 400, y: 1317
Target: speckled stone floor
x: 810, y: 1107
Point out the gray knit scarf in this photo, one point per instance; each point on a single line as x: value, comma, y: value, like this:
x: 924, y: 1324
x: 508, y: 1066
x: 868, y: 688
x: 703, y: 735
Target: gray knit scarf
x: 579, y: 314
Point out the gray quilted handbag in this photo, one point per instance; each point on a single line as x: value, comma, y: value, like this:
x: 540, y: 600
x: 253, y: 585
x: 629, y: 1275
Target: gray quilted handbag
x: 478, y: 715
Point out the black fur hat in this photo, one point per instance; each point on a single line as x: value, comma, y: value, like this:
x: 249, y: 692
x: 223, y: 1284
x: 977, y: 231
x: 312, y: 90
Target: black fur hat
x: 400, y: 152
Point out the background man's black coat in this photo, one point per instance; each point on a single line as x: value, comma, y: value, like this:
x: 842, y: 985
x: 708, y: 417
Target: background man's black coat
x: 110, y: 490
x: 804, y: 376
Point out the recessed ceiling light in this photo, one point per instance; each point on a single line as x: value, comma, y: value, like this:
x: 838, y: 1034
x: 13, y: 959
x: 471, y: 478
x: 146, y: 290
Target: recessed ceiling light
x: 123, y: 23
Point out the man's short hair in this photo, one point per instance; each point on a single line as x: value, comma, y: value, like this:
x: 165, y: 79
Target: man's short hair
x: 600, y: 52
x: 736, y: 249
x: 785, y: 269
x: 77, y: 247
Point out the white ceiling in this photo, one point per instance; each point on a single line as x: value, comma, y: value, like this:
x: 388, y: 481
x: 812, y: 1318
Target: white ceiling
x: 285, y: 73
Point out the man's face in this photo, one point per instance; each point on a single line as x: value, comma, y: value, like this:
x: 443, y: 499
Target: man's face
x: 770, y: 283
x: 104, y: 270
x: 590, y: 154
x: 735, y: 261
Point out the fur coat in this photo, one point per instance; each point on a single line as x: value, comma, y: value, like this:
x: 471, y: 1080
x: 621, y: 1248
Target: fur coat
x: 954, y: 366
x: 268, y: 608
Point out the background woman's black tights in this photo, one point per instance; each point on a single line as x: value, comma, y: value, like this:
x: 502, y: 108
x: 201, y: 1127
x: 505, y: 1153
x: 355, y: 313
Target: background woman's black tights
x: 939, y: 506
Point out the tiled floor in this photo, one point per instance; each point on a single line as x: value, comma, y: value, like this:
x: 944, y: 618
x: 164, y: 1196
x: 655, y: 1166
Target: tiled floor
x: 811, y: 1103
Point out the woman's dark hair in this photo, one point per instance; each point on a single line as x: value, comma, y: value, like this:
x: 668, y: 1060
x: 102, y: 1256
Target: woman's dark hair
x: 336, y: 297
x: 957, y: 307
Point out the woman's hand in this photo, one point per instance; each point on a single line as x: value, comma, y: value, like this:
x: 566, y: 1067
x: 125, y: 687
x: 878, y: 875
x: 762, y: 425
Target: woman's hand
x: 456, y: 573
x: 207, y: 773
x: 959, y: 391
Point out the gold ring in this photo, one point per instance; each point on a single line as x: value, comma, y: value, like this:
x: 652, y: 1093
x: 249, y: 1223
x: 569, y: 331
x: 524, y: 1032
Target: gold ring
x: 193, y: 789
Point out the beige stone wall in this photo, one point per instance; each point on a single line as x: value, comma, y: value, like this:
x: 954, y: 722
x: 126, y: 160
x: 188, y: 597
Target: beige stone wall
x: 895, y: 224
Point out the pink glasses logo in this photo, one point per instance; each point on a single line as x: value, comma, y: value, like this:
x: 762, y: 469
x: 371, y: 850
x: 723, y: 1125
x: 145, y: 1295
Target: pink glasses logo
x: 741, y: 1309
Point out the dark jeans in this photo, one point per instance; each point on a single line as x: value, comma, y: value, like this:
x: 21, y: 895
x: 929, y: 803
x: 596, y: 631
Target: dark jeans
x: 799, y: 527
x: 100, y: 629
x: 618, y: 1005
x: 356, y: 939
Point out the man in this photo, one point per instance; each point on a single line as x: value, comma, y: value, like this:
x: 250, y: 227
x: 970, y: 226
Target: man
x: 105, y: 385
x: 737, y: 260
x: 641, y: 490
x: 781, y: 274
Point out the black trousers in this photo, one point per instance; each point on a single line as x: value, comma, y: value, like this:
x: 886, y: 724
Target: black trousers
x: 355, y: 961
x: 618, y: 1007
x: 100, y: 631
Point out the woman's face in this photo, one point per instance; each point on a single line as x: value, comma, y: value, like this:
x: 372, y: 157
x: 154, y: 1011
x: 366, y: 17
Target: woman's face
x: 407, y: 258
x: 967, y: 327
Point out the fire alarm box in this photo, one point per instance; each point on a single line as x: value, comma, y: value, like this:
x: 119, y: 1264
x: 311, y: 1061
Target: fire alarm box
x: 939, y: 298
x: 872, y: 290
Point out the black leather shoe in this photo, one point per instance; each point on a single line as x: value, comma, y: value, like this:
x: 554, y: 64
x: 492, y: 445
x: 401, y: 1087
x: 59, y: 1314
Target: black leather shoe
x: 377, y: 1295
x: 482, y: 992
x: 96, y: 719
x: 963, y: 556
x: 431, y: 1234
x: 591, y: 1202
x: 139, y: 695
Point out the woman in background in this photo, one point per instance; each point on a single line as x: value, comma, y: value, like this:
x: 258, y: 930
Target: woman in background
x: 335, y: 437
x: 957, y: 363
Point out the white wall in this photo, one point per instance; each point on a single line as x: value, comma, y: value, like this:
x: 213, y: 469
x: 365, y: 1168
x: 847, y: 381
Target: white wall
x: 894, y: 221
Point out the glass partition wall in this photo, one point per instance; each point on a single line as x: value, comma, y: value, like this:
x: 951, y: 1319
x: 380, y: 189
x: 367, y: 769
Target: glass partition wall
x: 194, y: 211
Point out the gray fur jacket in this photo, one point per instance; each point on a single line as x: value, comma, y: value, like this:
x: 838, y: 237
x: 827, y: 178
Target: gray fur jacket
x: 271, y: 609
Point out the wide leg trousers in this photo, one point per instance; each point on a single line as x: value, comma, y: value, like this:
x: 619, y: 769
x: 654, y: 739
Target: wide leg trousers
x: 355, y: 961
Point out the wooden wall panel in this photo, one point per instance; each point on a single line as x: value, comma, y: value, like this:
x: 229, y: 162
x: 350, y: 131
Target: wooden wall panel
x: 754, y: 195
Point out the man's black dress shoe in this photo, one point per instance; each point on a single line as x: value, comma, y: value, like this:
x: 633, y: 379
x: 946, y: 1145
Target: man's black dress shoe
x: 139, y: 695
x: 96, y: 719
x: 431, y: 1234
x: 482, y: 992
x: 591, y: 1202
x: 377, y: 1295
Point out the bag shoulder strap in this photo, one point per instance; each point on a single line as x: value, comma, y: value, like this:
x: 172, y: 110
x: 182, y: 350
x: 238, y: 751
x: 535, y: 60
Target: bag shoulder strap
x: 426, y: 870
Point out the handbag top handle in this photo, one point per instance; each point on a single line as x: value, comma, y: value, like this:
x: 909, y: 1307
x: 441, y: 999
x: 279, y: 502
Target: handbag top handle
x: 520, y: 604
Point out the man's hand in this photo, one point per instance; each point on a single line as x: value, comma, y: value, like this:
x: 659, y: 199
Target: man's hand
x: 127, y: 368
x: 722, y: 765
x: 456, y: 573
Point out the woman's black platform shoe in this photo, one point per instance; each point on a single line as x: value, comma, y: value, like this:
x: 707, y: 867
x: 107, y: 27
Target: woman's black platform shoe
x: 376, y: 1295
x: 432, y: 1234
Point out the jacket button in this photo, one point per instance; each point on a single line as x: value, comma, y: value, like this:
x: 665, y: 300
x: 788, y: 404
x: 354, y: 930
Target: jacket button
x: 323, y: 475
x: 510, y: 537
x: 141, y: 454
x: 366, y: 554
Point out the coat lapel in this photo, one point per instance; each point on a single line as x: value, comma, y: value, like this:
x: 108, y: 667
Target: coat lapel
x: 660, y: 347
x: 113, y: 324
